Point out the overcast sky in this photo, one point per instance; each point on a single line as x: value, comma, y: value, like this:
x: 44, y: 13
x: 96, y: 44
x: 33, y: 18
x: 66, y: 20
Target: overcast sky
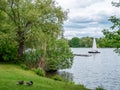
x: 87, y: 17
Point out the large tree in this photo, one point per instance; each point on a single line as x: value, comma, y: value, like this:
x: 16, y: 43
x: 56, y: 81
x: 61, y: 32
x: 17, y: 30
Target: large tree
x: 37, y: 24
x: 74, y: 42
x: 33, y: 16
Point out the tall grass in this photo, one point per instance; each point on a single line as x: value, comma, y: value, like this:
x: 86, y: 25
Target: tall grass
x: 11, y: 74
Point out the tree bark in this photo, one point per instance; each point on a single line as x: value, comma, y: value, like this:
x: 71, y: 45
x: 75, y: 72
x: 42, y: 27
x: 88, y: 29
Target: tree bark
x: 42, y: 61
x: 20, y: 44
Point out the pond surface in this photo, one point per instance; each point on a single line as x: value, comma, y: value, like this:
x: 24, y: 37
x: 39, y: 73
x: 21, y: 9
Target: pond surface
x: 101, y: 69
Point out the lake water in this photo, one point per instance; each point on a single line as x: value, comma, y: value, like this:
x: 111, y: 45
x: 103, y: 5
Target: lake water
x: 101, y: 69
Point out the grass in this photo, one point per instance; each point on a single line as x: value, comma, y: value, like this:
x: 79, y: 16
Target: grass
x: 11, y: 74
x: 99, y: 88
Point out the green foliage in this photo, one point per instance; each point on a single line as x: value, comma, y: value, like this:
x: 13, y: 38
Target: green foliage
x: 86, y: 42
x: 8, y: 48
x: 101, y: 42
x: 31, y: 57
x: 30, y: 18
x: 59, y: 56
x: 37, y: 26
x: 113, y: 35
x: 39, y: 71
x: 74, y: 42
x: 8, y: 45
x: 99, y: 88
x: 57, y: 77
x: 112, y: 38
x: 81, y: 42
x: 24, y: 67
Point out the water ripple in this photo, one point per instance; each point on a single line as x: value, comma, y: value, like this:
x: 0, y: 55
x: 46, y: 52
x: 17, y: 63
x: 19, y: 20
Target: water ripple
x: 98, y: 70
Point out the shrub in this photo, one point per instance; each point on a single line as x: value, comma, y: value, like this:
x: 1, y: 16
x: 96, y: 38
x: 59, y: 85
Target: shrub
x: 57, y: 77
x: 99, y: 88
x: 32, y: 57
x: 58, y: 56
x: 24, y: 67
x: 8, y: 48
x: 39, y: 71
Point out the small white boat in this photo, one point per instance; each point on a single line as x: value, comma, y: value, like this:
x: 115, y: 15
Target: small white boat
x: 94, y: 47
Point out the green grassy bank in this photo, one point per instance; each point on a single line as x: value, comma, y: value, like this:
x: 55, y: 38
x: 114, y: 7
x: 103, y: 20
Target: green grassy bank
x: 11, y: 74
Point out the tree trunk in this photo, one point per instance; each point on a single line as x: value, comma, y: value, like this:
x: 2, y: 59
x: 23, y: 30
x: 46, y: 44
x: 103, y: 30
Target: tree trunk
x: 20, y: 50
x: 42, y: 61
x: 20, y: 44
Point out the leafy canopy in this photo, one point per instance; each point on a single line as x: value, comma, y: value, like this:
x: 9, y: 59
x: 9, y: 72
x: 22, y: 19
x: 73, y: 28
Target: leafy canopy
x: 113, y: 35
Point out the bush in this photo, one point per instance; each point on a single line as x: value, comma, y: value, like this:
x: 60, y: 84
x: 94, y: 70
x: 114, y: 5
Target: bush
x: 8, y: 48
x: 32, y: 57
x: 58, y: 56
x: 99, y: 88
x: 57, y: 77
x: 39, y: 71
x: 24, y: 67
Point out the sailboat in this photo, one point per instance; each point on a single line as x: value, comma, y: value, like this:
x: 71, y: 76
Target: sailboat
x: 94, y: 47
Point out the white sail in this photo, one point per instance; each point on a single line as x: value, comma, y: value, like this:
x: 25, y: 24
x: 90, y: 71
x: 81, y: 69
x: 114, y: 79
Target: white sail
x: 94, y: 47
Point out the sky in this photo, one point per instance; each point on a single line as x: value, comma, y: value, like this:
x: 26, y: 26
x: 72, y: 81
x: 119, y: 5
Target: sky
x: 87, y: 17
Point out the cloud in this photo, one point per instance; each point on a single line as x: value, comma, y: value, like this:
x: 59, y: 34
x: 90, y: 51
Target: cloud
x: 87, y: 17
x: 91, y: 32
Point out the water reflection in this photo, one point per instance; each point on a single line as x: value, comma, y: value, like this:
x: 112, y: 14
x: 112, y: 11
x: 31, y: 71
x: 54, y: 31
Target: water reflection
x: 94, y: 55
x: 67, y: 76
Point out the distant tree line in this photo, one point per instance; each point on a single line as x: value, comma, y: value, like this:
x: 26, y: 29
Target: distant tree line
x: 88, y: 41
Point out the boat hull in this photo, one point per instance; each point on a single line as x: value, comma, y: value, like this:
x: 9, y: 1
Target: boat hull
x: 93, y: 52
x: 85, y: 55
